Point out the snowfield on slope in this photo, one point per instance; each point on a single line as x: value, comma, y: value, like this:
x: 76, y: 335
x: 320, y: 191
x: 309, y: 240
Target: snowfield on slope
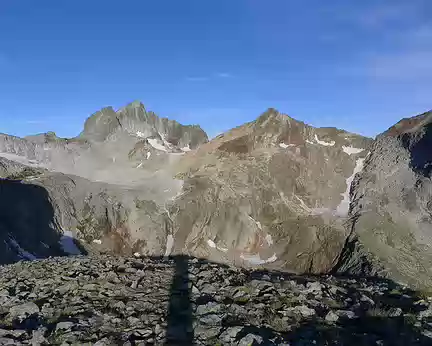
x: 343, y: 207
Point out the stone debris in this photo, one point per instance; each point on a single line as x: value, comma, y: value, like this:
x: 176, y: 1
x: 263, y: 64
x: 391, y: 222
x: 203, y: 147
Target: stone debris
x: 106, y: 300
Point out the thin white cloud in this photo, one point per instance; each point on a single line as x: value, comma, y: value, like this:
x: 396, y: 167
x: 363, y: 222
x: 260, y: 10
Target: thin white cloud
x: 223, y: 75
x: 419, y: 36
x: 402, y: 66
x: 205, y: 78
x: 196, y: 79
x: 384, y: 14
x: 406, y: 53
x: 35, y: 122
x: 409, y: 60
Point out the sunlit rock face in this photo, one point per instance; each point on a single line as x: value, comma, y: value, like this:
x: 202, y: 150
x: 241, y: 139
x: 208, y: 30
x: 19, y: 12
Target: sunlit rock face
x: 274, y: 193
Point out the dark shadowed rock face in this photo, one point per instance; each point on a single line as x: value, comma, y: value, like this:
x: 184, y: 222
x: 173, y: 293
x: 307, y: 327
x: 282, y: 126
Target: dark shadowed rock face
x: 391, y: 210
x: 46, y: 214
x: 183, y: 301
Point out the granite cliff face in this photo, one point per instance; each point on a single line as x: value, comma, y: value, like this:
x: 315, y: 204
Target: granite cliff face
x: 274, y: 193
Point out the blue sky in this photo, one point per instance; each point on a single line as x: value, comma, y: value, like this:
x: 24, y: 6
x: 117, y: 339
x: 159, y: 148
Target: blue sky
x: 358, y: 65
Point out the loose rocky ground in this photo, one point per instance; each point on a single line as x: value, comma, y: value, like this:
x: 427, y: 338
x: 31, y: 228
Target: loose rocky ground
x: 183, y: 301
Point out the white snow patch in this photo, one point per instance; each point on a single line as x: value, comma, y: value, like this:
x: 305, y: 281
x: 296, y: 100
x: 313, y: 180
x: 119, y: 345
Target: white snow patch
x: 283, y: 145
x: 148, y: 154
x: 326, y: 144
x: 137, y: 255
x: 320, y: 211
x: 97, y: 241
x: 186, y: 149
x: 351, y: 150
x: 256, y: 259
x: 302, y: 203
x: 269, y: 239
x: 308, y: 141
x: 68, y: 245
x: 140, y: 165
x: 155, y: 144
x: 343, y: 207
x: 166, y: 143
x: 140, y: 134
x: 211, y: 243
x: 169, y: 245
x: 21, y: 252
x: 223, y: 249
x: 256, y: 222
x: 272, y: 259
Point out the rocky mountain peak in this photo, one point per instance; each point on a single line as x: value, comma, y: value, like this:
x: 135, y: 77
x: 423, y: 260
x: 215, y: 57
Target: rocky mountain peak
x: 272, y: 115
x: 100, y: 124
x: 410, y: 125
x: 136, y: 104
x: 134, y: 120
x: 273, y: 128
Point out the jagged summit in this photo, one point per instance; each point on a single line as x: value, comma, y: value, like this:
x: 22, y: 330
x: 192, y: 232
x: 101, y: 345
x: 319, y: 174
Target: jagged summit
x: 274, y: 129
x: 135, y: 120
x: 134, y: 104
x: 410, y: 125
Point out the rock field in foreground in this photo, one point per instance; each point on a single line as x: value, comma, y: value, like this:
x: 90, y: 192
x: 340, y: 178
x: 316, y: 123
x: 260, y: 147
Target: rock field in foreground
x: 183, y: 301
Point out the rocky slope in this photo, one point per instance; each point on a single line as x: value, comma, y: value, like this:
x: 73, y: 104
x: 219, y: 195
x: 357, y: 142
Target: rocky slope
x: 391, y: 214
x: 49, y: 214
x: 184, y: 301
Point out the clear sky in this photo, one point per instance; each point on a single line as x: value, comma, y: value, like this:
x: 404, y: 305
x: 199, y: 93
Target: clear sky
x: 358, y: 65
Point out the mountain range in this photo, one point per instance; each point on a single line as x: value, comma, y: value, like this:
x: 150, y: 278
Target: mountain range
x: 274, y: 193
